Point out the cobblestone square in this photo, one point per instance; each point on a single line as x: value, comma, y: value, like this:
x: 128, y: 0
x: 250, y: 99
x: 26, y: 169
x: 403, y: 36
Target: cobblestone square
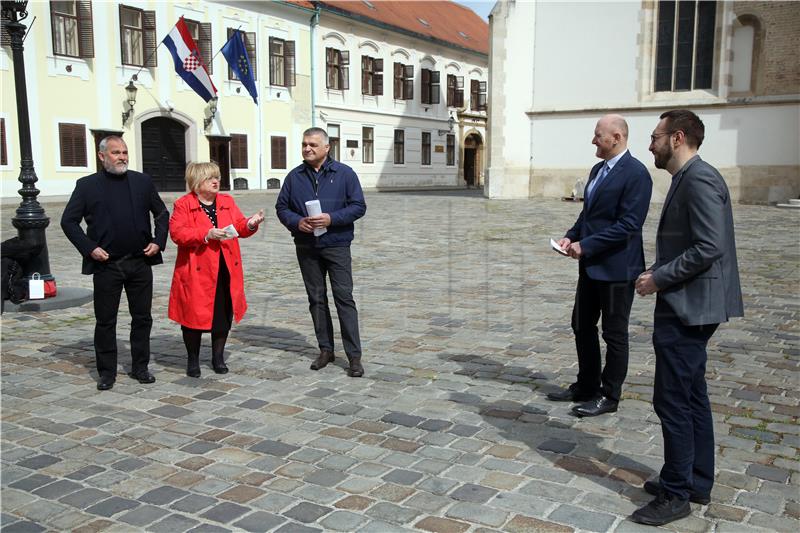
x: 465, y: 323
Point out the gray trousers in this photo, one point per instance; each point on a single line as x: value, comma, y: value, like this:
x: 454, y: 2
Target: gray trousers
x: 335, y: 263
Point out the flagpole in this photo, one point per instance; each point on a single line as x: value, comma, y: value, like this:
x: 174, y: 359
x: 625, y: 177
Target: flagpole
x: 136, y: 76
x: 226, y: 43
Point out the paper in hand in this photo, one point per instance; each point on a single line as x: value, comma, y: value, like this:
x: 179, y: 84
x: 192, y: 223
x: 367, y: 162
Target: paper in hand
x: 230, y: 232
x: 314, y: 208
x: 554, y: 245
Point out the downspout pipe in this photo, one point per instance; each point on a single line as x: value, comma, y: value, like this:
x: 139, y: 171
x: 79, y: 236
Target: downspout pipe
x: 314, y: 22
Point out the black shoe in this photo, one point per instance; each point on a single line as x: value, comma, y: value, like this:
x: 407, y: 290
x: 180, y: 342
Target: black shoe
x: 325, y: 357
x: 143, y: 377
x: 220, y: 368
x: 355, y: 370
x: 665, y: 508
x: 570, y: 394
x: 106, y: 382
x: 596, y: 407
x: 193, y: 366
x: 654, y: 487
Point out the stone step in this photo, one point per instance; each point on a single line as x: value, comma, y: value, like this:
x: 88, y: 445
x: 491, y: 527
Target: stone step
x: 793, y: 203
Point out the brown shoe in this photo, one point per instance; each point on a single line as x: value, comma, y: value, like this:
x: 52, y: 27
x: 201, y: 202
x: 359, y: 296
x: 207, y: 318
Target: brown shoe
x: 325, y: 357
x: 355, y: 370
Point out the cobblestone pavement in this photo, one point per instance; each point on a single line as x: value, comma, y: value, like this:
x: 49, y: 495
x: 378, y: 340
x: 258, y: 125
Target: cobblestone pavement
x: 465, y: 322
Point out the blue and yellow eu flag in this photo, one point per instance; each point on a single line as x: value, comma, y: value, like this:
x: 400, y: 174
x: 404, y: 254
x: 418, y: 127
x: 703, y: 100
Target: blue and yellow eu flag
x: 236, y: 55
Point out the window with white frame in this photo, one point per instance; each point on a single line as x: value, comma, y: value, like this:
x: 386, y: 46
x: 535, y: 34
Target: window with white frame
x: 451, y: 150
x: 71, y: 23
x: 337, y: 69
x: 399, y: 147
x: 426, y: 148
x: 72, y: 144
x: 367, y: 145
x: 137, y: 33
x: 333, y: 141
x: 371, y: 76
x: 281, y: 62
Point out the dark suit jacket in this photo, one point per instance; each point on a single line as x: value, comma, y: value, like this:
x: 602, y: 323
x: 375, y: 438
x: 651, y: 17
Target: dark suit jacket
x: 88, y: 202
x: 610, y: 226
x: 696, y: 269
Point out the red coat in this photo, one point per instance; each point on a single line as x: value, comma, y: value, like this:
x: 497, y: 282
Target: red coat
x: 194, y: 282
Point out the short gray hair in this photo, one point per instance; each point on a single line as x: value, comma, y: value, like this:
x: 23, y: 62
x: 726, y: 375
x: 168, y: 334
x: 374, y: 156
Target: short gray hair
x: 104, y: 143
x: 317, y: 131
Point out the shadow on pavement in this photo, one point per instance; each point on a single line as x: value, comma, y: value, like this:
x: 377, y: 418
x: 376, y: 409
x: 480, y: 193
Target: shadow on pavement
x: 562, y: 442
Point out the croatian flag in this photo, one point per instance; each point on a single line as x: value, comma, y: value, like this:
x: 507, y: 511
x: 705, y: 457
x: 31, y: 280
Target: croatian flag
x: 188, y: 63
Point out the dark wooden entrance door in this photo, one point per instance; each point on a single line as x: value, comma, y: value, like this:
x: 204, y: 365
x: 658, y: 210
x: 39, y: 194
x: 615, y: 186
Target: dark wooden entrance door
x: 469, y: 166
x: 164, y: 153
x: 219, y: 149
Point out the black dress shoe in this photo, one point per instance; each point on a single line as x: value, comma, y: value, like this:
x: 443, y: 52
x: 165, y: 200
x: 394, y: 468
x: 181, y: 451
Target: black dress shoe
x: 664, y: 509
x: 596, y: 407
x: 106, y: 382
x: 220, y: 368
x: 325, y: 357
x: 355, y: 370
x: 568, y: 395
x: 654, y: 487
x: 143, y: 377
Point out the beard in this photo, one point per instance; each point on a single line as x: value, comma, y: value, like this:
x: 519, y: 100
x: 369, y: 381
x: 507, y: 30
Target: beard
x: 118, y: 169
x: 662, y: 157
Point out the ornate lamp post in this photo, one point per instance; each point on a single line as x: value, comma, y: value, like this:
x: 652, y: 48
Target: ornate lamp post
x: 31, y: 220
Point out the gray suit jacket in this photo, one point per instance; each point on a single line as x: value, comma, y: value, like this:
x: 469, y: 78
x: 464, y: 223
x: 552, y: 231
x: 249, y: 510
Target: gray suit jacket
x: 696, y: 268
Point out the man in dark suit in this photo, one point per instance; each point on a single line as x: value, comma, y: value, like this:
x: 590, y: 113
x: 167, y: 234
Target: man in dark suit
x: 118, y: 248
x: 696, y: 276
x: 607, y: 241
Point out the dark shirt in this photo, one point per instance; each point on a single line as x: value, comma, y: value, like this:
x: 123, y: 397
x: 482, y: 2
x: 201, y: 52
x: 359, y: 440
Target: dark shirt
x: 127, y: 240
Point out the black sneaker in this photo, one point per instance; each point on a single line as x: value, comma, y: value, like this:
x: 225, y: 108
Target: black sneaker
x: 665, y: 508
x: 654, y: 487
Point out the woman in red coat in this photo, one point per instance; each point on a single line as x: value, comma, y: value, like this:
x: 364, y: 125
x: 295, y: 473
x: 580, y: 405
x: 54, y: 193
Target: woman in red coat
x: 208, y: 284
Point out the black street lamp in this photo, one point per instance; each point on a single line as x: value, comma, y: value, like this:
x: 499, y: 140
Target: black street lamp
x: 31, y: 220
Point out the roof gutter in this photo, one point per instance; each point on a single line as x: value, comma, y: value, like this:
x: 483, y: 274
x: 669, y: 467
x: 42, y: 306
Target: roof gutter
x: 314, y: 22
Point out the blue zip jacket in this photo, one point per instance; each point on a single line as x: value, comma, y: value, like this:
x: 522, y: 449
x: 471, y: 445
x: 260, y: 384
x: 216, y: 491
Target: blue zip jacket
x: 338, y: 190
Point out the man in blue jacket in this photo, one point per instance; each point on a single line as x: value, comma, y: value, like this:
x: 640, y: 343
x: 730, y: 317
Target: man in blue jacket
x: 336, y: 187
x: 607, y: 241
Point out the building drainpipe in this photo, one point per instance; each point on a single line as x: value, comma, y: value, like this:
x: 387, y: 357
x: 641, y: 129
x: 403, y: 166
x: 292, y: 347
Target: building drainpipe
x: 314, y: 22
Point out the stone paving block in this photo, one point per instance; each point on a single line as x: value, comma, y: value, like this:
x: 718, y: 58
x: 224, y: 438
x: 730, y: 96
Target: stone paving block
x: 56, y: 490
x: 402, y: 477
x: 766, y: 503
x: 441, y: 525
x: 581, y: 518
x: 85, y: 497
x: 307, y: 512
x: 768, y: 472
x: 163, y: 495
x: 343, y: 521
x: 209, y: 528
x: 379, y: 526
x: 437, y: 485
x: 193, y: 503
x: 225, y: 512
x: 32, y: 482
x: 272, y: 447
x: 426, y: 502
x: 475, y: 513
x: 392, y: 513
x: 144, y: 515
x: 172, y: 524
x: 85, y: 472
x: 38, y: 462
x: 473, y: 493
x: 325, y: 477
x: 258, y: 522
x: 112, y: 506
x: 294, y: 527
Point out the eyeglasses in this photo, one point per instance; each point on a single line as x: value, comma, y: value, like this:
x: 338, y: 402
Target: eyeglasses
x: 655, y: 136
x: 214, y: 178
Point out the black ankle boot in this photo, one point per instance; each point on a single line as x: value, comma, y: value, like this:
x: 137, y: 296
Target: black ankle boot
x: 193, y: 366
x: 218, y: 364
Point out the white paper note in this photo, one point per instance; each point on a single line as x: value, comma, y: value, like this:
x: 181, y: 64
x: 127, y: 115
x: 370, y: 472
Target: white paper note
x: 314, y: 208
x: 554, y: 245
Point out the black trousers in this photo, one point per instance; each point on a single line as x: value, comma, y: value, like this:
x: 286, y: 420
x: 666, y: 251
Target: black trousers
x: 136, y: 277
x: 612, y: 301
x: 680, y: 399
x: 335, y: 263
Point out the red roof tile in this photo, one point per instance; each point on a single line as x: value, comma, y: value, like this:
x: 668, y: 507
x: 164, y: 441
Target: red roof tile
x: 439, y: 19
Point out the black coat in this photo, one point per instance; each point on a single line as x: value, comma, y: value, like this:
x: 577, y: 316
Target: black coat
x: 88, y: 203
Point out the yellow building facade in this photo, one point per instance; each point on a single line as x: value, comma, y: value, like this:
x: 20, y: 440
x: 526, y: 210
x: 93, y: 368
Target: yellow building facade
x: 81, y: 56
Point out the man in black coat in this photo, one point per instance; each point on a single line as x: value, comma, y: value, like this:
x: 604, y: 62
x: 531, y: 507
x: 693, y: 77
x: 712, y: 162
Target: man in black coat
x: 118, y: 249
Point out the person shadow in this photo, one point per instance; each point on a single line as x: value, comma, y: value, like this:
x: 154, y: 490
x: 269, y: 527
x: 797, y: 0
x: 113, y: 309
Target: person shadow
x: 560, y: 445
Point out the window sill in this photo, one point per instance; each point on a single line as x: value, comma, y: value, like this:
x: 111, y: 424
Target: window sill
x: 126, y: 72
x: 68, y: 67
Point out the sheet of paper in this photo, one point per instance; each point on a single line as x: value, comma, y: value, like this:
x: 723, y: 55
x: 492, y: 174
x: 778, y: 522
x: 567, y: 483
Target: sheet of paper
x: 230, y: 232
x: 314, y: 208
x: 554, y: 245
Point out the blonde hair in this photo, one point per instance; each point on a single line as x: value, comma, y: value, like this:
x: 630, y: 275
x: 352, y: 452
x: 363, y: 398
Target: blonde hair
x: 197, y: 173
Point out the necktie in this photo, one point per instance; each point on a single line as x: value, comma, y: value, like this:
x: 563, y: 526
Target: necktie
x: 595, y: 182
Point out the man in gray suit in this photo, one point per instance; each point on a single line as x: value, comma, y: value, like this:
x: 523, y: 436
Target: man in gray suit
x: 696, y: 277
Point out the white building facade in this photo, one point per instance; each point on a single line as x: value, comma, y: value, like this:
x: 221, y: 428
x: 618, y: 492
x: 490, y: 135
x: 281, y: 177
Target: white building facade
x: 556, y: 67
x: 382, y: 93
